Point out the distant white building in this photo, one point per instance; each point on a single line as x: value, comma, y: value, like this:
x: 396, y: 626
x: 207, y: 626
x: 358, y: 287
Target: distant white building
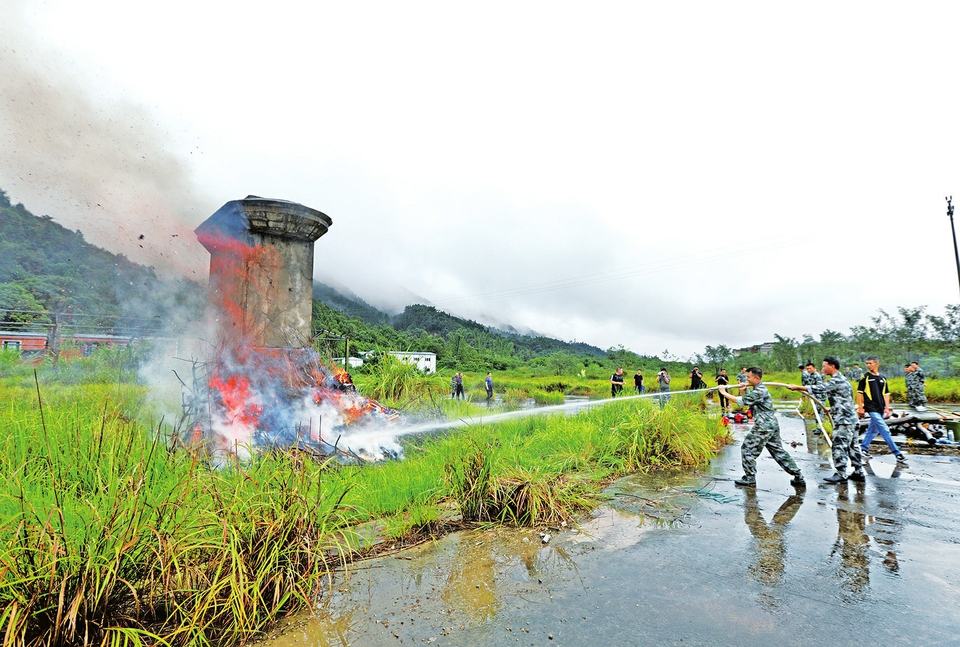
x: 353, y: 362
x: 760, y: 349
x: 426, y: 362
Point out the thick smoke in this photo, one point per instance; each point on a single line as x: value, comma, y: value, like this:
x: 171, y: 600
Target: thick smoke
x: 110, y: 170
x: 101, y: 167
x: 104, y: 168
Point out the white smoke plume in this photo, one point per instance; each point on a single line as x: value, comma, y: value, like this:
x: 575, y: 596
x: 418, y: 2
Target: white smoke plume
x: 103, y: 167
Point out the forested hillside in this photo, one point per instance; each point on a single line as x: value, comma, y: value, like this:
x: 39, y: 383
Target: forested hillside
x: 458, y: 343
x: 349, y: 305
x: 46, y: 267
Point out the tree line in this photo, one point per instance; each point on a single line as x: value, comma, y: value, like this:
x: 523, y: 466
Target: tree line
x: 910, y: 334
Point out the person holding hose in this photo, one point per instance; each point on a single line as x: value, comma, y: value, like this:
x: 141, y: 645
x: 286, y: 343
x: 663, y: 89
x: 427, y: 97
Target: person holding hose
x: 845, y: 438
x: 765, y: 431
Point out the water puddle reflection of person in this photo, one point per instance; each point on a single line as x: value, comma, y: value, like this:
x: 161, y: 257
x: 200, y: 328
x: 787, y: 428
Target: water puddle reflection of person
x: 886, y: 530
x: 767, y: 566
x: 852, y: 544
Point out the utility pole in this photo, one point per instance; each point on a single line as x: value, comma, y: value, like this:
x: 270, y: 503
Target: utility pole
x: 956, y: 254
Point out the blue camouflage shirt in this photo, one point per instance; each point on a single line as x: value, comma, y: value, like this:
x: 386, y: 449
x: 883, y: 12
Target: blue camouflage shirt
x: 761, y: 404
x: 840, y: 395
x: 806, y: 379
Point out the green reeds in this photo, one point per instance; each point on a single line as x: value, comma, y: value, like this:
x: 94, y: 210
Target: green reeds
x: 542, y: 469
x: 540, y: 396
x: 108, y: 538
x: 400, y: 384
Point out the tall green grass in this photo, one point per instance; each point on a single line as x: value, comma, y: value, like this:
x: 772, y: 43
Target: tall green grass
x: 109, y: 537
x: 400, y: 384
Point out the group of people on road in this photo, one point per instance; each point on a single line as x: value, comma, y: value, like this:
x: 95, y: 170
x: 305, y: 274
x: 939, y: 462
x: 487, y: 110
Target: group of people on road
x: 871, y: 400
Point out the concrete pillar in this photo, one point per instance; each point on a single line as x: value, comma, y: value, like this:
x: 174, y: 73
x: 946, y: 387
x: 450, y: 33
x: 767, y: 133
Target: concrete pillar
x: 261, y: 270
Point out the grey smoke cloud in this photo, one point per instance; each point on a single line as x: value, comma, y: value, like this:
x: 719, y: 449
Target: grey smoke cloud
x: 106, y: 168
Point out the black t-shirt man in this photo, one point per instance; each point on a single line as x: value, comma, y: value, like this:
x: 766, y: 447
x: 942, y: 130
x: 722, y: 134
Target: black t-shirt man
x: 616, y: 383
x: 722, y: 380
x: 873, y: 388
x: 638, y: 381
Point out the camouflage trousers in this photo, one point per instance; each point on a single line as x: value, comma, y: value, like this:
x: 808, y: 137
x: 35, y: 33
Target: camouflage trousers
x: 915, y: 395
x: 846, y: 444
x: 753, y: 445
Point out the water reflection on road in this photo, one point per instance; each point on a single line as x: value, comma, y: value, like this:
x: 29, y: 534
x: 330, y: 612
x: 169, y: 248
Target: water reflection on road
x: 684, y: 558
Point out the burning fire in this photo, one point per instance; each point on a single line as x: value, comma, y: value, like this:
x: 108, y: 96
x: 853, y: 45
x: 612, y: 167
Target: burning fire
x: 288, y: 397
x: 265, y: 397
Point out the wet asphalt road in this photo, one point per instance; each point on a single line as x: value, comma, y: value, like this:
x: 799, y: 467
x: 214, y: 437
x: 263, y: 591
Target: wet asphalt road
x: 684, y: 558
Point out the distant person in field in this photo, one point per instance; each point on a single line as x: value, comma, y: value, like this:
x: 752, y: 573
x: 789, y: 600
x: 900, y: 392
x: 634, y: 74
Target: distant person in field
x: 696, y: 379
x: 616, y: 382
x: 723, y: 380
x: 916, y: 383
x: 488, y: 384
x: 854, y: 374
x: 742, y: 377
x: 663, y: 385
x: 764, y: 434
x: 458, y: 386
x: 638, y: 383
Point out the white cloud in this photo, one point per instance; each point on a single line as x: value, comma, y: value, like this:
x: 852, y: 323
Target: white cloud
x: 467, y: 150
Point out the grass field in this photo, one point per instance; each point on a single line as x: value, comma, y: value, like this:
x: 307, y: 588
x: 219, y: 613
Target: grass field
x: 108, y: 537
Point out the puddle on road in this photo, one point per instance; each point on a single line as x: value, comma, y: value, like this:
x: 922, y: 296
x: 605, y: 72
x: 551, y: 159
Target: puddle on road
x: 682, y: 558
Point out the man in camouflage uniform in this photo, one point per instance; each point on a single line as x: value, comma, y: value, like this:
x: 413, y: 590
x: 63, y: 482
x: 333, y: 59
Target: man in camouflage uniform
x: 915, y: 386
x: 809, y: 377
x: 742, y: 377
x: 855, y: 374
x: 765, y: 432
x: 839, y: 393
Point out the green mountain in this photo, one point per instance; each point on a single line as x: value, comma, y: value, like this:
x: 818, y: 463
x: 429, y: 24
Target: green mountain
x: 418, y: 319
x: 352, y: 306
x: 459, y: 343
x: 45, y: 266
x: 46, y: 269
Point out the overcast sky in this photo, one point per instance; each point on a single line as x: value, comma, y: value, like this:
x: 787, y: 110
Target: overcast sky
x: 657, y: 175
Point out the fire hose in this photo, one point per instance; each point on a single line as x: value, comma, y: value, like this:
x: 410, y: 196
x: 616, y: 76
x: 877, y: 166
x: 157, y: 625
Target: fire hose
x: 815, y: 401
x: 817, y: 405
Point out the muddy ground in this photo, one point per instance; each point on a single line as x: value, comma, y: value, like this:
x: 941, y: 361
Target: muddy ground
x: 684, y: 558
